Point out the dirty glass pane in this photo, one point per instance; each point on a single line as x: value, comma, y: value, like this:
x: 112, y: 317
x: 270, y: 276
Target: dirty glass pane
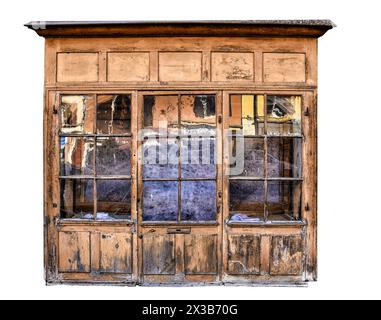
x: 160, y: 158
x: 284, y: 200
x: 76, y: 156
x: 284, y: 115
x: 247, y: 114
x: 77, y: 199
x: 198, y: 158
x: 77, y: 114
x: 113, y: 114
x: 160, y: 201
x: 161, y: 112
x: 247, y: 157
x: 114, y: 199
x: 284, y: 157
x: 246, y: 201
x: 113, y: 156
x: 198, y: 200
x: 198, y: 114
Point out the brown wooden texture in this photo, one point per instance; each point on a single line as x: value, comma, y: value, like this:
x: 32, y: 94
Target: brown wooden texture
x: 77, y: 67
x: 74, y: 252
x: 128, y: 66
x: 159, y: 255
x: 180, y: 66
x: 286, y: 255
x: 201, y: 254
x: 284, y: 67
x: 232, y: 66
x: 116, y: 251
x: 244, y: 254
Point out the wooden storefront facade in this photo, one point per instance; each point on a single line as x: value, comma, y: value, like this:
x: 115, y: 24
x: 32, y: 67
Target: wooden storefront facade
x: 113, y: 90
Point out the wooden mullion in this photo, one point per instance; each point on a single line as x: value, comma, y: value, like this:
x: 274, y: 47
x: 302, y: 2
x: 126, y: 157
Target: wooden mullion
x: 94, y: 159
x: 179, y: 158
x: 266, y: 184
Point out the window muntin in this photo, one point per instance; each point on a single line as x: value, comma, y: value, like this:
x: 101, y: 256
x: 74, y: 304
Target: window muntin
x: 95, y: 157
x: 265, y: 180
x: 179, y: 157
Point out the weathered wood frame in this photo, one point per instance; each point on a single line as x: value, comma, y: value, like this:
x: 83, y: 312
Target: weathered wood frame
x: 268, y: 233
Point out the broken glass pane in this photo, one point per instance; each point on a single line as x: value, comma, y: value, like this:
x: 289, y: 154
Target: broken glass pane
x: 77, y: 114
x: 247, y: 114
x: 198, y: 200
x: 160, y: 201
x: 285, y: 157
x: 76, y: 156
x: 246, y: 200
x: 161, y: 112
x: 77, y: 199
x: 247, y: 157
x: 113, y: 156
x: 113, y: 114
x: 198, y: 158
x: 284, y: 115
x: 160, y: 158
x: 114, y: 199
x: 198, y: 114
x: 284, y: 200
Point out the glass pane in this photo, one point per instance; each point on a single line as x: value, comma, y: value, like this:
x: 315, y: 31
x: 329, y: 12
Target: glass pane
x: 284, y: 200
x: 77, y: 199
x: 114, y: 199
x: 198, y: 114
x: 247, y: 114
x: 160, y: 201
x: 284, y: 115
x: 113, y: 114
x: 160, y: 158
x: 247, y: 157
x: 77, y: 114
x: 113, y: 156
x: 284, y: 157
x: 161, y: 112
x: 198, y: 159
x: 76, y: 156
x: 247, y: 200
x: 198, y: 200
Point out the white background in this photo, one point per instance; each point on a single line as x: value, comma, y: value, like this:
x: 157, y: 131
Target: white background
x: 349, y: 144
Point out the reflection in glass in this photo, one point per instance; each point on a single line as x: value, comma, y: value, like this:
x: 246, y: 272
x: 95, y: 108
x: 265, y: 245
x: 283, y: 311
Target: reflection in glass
x: 77, y: 114
x: 284, y: 157
x: 198, y: 200
x: 246, y: 200
x: 284, y: 115
x: 284, y: 200
x: 247, y: 114
x: 114, y: 199
x: 77, y: 199
x: 161, y: 112
x: 76, y: 156
x: 248, y: 159
x: 113, y: 156
x: 160, y: 158
x: 198, y: 114
x: 198, y: 158
x: 113, y: 114
x: 160, y: 201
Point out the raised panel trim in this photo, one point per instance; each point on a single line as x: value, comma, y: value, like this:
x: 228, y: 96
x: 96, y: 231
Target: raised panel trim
x: 143, y: 77
x: 236, y: 74
x: 73, y: 75
x: 267, y: 75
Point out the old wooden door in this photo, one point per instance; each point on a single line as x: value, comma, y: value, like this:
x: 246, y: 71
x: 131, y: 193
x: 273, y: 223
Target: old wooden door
x: 180, y: 187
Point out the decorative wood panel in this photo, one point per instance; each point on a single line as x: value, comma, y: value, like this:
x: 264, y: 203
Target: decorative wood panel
x: 159, y: 255
x: 232, y: 66
x: 284, y: 67
x: 128, y: 66
x: 244, y: 254
x: 200, y: 254
x: 180, y: 66
x: 77, y: 67
x: 116, y: 253
x: 286, y: 255
x: 74, y: 252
